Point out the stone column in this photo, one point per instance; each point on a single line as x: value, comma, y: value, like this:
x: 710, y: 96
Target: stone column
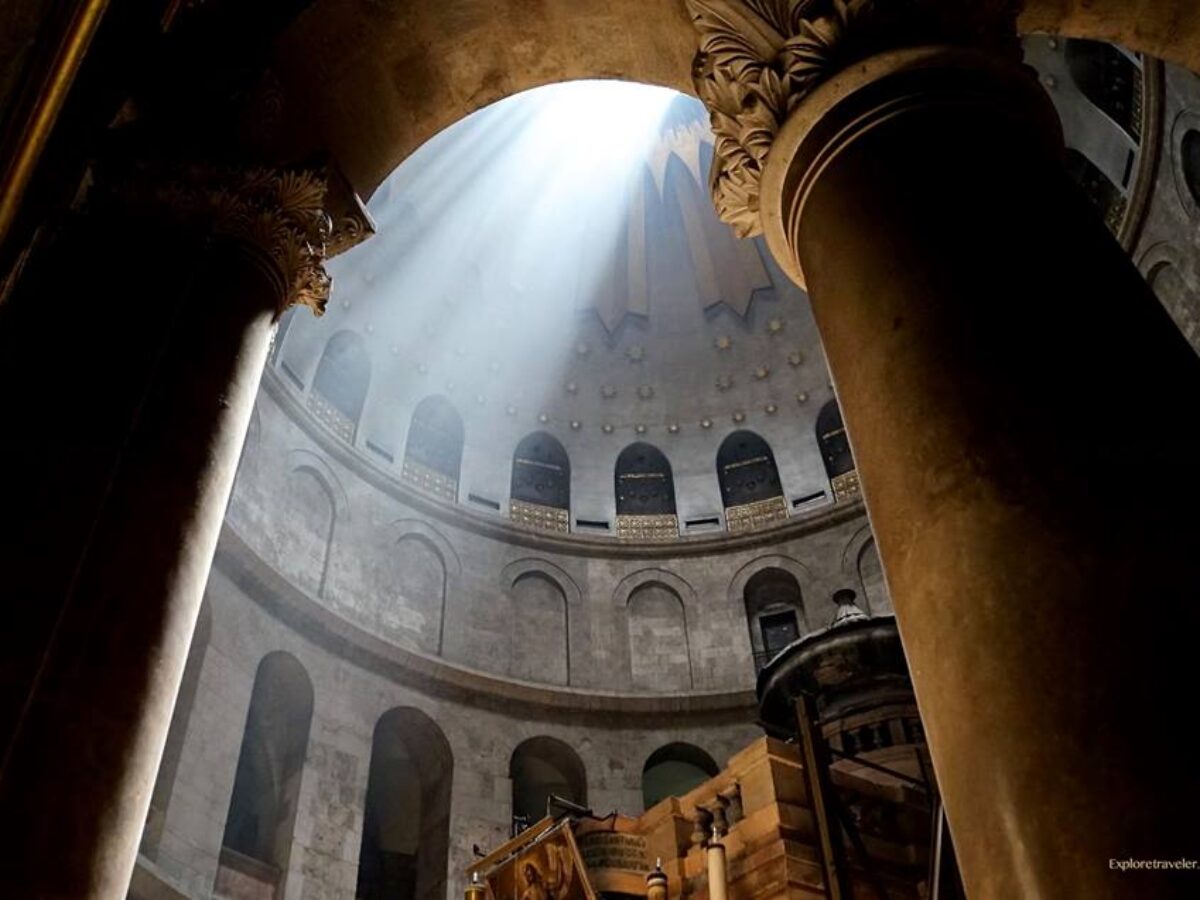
x: 1020, y: 408
x: 195, y: 265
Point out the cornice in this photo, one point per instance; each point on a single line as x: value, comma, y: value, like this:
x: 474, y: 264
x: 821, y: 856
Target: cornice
x: 502, y: 530
x: 441, y: 678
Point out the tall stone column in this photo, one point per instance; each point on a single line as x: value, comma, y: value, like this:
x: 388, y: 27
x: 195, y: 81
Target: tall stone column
x: 1020, y: 408
x: 129, y: 425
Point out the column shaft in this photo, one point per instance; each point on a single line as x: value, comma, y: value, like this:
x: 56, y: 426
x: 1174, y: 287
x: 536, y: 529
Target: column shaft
x: 175, y: 366
x: 1021, y: 412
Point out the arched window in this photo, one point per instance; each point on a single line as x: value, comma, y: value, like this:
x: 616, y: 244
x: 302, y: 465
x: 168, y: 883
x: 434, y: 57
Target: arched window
x: 541, y: 484
x: 339, y: 389
x: 645, y: 495
x: 835, y: 451
x: 750, y: 488
x: 1097, y: 187
x: 539, y: 767
x: 1189, y: 152
x: 266, y: 788
x: 433, y: 452
x: 1109, y: 79
x: 673, y: 770
x: 775, y: 612
x: 406, y: 820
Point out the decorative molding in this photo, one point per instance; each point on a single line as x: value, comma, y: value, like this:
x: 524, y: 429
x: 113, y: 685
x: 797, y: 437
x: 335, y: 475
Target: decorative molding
x: 291, y: 404
x: 759, y: 59
x: 417, y: 528
x: 306, y: 459
x: 1149, y: 153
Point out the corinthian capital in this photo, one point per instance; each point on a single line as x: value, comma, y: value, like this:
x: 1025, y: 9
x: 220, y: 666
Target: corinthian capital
x: 759, y: 59
x: 292, y: 219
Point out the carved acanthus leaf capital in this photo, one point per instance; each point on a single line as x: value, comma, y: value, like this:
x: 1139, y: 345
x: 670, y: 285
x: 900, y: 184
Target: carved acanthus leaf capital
x: 291, y: 218
x: 758, y: 59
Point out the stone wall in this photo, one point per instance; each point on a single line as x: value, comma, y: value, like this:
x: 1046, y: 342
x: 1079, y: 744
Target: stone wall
x: 349, y: 700
x: 469, y: 588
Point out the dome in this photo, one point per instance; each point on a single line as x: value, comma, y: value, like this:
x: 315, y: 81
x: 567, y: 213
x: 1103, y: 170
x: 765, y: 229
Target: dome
x: 552, y: 265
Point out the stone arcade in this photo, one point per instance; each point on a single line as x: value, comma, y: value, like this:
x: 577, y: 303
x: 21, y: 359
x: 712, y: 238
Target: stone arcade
x: 344, y: 606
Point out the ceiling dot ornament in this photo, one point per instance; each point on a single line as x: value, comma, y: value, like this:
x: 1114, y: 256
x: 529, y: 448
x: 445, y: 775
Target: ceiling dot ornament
x: 583, y: 348
x: 724, y: 382
x: 762, y: 373
x: 571, y: 387
x: 395, y: 350
x: 739, y: 416
x: 645, y: 391
x: 608, y: 391
x: 795, y: 358
x: 801, y: 396
x: 673, y: 427
x: 640, y: 428
x: 706, y: 423
x: 450, y: 385
x: 370, y: 328
x: 479, y: 398
x: 771, y: 409
x: 510, y: 410
x: 422, y: 368
x: 543, y: 417
x: 607, y: 428
x: 576, y: 424
x: 635, y: 352
x: 345, y: 304
x: 774, y: 326
x: 724, y: 342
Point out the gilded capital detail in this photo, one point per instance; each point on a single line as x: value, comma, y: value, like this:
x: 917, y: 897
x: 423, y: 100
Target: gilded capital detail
x: 759, y: 59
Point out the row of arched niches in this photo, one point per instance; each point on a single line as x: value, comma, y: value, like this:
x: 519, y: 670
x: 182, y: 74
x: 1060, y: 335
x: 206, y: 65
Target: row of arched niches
x: 406, y: 815
x: 752, y: 493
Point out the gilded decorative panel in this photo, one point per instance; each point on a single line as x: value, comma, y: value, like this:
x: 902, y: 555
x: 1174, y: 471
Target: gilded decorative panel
x: 429, y: 480
x: 543, y: 518
x: 756, y: 516
x: 648, y: 528
x: 845, y: 486
x: 340, y: 423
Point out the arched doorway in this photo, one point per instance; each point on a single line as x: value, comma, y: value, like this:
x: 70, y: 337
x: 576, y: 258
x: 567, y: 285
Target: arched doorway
x: 406, y: 818
x: 257, y: 842
x: 673, y: 770
x: 540, y: 767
